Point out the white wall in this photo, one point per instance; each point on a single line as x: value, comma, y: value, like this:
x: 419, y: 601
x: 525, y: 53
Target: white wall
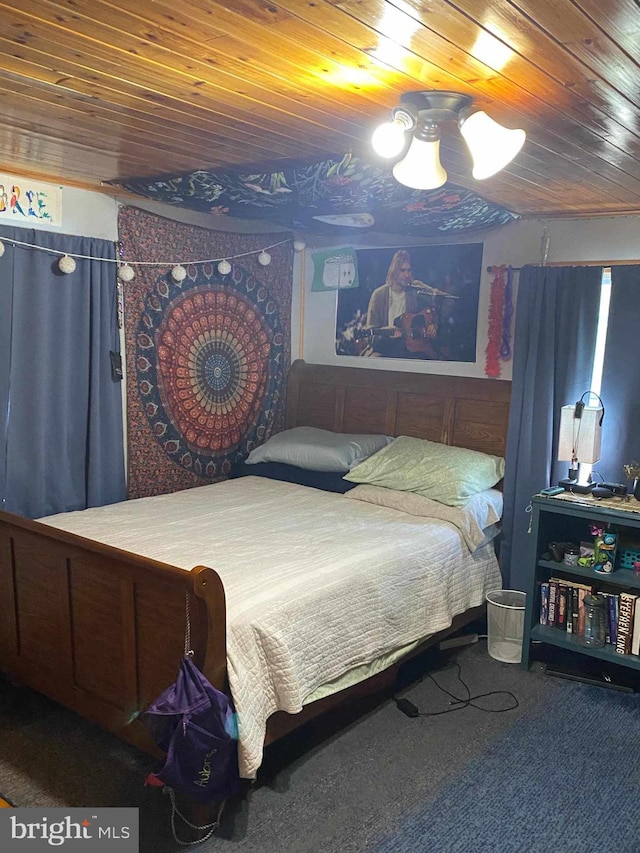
x: 519, y: 243
x: 84, y: 214
x: 313, y: 314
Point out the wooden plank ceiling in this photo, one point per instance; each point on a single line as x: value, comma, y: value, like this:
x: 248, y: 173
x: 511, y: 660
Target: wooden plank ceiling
x: 98, y: 90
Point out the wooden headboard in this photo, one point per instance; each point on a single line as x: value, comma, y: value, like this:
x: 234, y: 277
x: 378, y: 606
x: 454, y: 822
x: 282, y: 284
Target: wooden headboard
x: 456, y: 410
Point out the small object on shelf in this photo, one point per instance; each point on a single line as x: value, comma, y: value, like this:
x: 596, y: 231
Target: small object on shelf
x: 586, y: 554
x: 615, y: 488
x: 571, y: 555
x: 594, y: 622
x: 601, y: 492
x: 558, y: 549
x: 632, y: 470
x: 627, y: 557
x: 571, y: 485
x: 551, y: 491
x: 605, y: 553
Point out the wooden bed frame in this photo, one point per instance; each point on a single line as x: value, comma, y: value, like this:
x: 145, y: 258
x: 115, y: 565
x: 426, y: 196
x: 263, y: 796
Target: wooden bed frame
x: 101, y: 630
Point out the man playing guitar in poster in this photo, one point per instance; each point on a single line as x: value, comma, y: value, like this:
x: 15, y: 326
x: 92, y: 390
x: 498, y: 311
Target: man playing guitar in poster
x: 398, y: 322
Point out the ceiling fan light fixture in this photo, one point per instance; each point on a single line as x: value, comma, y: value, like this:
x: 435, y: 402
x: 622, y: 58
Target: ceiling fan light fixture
x: 492, y: 146
x: 421, y: 168
x: 419, y: 119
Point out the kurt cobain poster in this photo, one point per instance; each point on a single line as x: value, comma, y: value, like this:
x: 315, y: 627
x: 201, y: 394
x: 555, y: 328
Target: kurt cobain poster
x: 419, y: 302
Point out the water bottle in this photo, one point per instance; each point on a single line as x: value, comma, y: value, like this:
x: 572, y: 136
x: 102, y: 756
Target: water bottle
x: 594, y: 622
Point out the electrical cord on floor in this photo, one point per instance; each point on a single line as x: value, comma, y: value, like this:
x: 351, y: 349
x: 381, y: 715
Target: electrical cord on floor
x: 410, y: 710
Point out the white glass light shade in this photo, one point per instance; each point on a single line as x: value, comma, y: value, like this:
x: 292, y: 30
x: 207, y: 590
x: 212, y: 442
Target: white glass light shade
x: 580, y: 438
x: 388, y: 139
x: 421, y: 169
x: 492, y: 146
x: 224, y: 267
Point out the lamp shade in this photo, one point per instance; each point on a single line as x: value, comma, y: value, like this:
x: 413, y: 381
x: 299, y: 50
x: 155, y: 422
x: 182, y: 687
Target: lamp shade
x: 492, y: 146
x: 421, y: 169
x: 580, y: 438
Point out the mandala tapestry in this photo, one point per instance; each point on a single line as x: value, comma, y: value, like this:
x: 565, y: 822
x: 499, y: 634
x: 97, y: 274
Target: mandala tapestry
x: 207, y: 357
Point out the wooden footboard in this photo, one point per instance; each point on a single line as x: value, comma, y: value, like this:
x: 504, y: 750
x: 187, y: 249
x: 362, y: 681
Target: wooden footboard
x: 102, y: 630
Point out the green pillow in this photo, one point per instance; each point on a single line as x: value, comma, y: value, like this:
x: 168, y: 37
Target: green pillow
x: 443, y: 473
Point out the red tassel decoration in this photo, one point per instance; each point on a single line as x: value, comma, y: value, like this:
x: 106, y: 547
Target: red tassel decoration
x: 492, y: 365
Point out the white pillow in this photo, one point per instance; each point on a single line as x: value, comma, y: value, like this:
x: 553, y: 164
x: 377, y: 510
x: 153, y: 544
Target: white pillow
x: 318, y: 449
x: 438, y: 471
x: 480, y: 512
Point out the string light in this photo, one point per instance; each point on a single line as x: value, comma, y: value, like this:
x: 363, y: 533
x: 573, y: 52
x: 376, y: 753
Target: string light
x: 126, y: 271
x: 178, y: 273
x: 66, y: 264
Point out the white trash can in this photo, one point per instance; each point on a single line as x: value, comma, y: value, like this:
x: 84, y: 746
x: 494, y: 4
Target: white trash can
x: 505, y: 624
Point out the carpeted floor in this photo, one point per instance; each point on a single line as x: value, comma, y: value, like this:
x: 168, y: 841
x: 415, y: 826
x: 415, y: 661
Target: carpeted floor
x: 569, y: 771
x: 384, y: 782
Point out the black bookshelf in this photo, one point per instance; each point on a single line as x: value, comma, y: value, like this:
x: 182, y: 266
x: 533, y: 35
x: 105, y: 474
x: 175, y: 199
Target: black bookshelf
x: 558, y: 519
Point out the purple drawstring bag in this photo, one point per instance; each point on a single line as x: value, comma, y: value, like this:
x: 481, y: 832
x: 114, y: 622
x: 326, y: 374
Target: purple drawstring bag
x: 196, y: 726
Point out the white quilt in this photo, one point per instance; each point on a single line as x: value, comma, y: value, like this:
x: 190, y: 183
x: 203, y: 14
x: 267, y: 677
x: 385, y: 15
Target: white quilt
x: 315, y: 584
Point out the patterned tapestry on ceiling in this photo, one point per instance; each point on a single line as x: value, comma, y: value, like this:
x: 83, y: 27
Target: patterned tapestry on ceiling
x: 334, y: 196
x: 207, y: 357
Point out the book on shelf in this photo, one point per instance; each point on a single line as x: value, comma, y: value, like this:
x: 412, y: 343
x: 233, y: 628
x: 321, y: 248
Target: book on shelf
x: 561, y: 607
x: 581, y: 594
x: 553, y: 599
x: 566, y: 605
x: 544, y: 603
x: 607, y: 616
x: 613, y: 617
x: 624, y: 634
x: 635, y: 637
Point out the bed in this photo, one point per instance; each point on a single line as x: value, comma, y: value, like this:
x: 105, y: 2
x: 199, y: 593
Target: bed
x: 97, y: 621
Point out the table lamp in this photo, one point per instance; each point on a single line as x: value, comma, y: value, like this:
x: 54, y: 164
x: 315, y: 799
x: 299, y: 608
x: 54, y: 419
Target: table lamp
x: 579, y: 441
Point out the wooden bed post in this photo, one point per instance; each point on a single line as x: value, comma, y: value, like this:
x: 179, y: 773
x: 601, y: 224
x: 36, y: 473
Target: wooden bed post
x: 211, y: 653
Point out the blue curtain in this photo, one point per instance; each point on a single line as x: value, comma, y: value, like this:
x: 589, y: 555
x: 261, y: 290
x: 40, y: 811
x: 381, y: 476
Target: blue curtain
x: 61, y: 437
x: 621, y: 376
x: 554, y: 343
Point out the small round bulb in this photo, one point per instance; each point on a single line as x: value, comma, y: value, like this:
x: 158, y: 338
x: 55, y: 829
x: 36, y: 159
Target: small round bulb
x: 264, y: 258
x: 126, y: 273
x: 224, y: 267
x: 66, y: 264
x: 178, y: 273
